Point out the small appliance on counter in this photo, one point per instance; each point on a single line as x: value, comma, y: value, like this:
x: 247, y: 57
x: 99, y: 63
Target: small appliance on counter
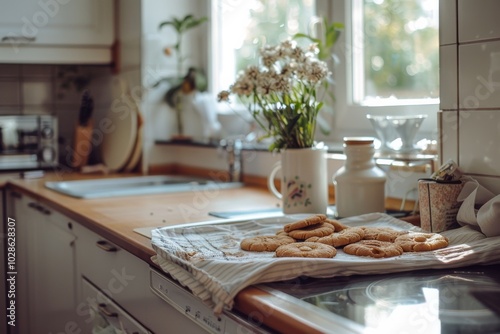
x: 28, y: 142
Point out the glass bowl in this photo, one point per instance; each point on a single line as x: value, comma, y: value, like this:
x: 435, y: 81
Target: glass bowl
x: 397, y: 133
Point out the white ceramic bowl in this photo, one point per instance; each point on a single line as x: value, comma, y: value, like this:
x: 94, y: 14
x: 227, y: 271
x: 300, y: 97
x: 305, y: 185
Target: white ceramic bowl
x: 397, y: 133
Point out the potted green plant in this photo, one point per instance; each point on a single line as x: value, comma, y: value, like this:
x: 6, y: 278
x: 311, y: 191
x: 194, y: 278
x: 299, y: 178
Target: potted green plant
x: 182, y: 83
x: 181, y: 26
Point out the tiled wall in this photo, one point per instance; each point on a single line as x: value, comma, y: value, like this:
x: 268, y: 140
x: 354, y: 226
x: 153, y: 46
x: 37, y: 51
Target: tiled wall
x: 470, y: 88
x: 53, y: 89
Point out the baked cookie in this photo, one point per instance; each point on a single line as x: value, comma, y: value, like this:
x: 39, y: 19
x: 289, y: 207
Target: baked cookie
x: 338, y: 225
x: 318, y: 230
x: 381, y: 233
x: 265, y: 243
x: 373, y: 248
x: 312, y: 220
x: 342, y: 238
x: 306, y: 249
x: 421, y: 241
x: 281, y: 233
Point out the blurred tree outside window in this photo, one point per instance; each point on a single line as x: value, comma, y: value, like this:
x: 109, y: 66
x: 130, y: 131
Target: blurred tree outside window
x: 396, y: 60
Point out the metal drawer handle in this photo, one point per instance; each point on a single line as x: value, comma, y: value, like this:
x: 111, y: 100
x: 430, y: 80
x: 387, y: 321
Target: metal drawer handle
x: 39, y: 207
x: 106, y: 246
x: 104, y: 310
x: 20, y: 39
x: 15, y: 195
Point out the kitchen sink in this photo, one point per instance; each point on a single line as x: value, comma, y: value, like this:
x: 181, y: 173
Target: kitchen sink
x: 140, y: 185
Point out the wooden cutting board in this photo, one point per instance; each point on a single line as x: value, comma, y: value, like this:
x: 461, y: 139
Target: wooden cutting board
x: 118, y: 144
x: 137, y: 151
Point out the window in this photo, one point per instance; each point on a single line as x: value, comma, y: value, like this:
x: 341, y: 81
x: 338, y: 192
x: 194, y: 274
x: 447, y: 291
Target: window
x: 241, y: 27
x: 387, y: 56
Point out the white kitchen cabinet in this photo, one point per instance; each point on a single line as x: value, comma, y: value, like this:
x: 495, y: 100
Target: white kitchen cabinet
x: 3, y: 290
x: 63, y: 269
x: 108, y: 272
x: 46, y: 275
x: 56, y: 31
x: 16, y: 208
x: 52, y: 278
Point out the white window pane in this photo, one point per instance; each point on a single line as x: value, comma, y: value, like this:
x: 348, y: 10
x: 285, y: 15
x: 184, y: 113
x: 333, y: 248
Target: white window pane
x: 398, y: 58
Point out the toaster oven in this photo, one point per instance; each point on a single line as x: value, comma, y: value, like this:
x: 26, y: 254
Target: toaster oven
x: 28, y: 142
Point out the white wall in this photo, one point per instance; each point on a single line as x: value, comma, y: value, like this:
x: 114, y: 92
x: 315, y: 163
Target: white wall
x: 470, y: 85
x: 161, y: 121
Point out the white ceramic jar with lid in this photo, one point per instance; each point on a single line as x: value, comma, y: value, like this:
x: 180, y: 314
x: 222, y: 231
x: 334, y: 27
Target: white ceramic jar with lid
x: 360, y: 183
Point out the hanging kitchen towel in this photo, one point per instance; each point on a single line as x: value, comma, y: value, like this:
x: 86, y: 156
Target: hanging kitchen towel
x: 207, y: 259
x: 480, y: 208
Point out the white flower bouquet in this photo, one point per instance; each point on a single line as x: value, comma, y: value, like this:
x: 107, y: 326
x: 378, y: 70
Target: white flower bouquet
x: 281, y: 93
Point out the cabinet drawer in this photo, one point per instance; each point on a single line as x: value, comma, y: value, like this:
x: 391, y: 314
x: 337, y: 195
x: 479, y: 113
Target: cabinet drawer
x: 115, y: 271
x: 105, y: 315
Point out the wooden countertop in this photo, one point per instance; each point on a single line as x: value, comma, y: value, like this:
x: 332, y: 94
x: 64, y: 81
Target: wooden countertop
x: 116, y: 218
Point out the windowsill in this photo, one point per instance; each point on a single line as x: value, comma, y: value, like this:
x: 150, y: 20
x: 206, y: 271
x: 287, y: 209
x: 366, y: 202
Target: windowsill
x: 335, y: 150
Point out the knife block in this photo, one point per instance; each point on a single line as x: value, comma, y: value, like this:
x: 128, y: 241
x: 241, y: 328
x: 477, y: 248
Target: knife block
x: 82, y: 145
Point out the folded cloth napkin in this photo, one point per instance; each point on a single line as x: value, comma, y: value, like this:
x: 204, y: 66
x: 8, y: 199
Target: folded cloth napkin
x: 487, y: 217
x: 207, y: 259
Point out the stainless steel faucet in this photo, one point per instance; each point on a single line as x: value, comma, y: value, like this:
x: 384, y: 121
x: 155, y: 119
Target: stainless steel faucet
x: 233, y: 147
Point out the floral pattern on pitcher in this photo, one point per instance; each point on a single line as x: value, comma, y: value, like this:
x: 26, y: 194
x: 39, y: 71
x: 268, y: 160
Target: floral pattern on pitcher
x: 297, y: 193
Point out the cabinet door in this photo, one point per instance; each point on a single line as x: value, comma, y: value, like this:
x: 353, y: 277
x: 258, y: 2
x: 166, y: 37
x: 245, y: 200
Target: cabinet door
x: 46, y: 268
x: 17, y: 209
x: 57, y: 22
x: 3, y: 290
x: 52, y: 278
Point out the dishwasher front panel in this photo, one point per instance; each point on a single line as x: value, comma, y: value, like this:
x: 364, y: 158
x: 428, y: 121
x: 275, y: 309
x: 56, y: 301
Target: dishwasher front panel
x: 193, y: 308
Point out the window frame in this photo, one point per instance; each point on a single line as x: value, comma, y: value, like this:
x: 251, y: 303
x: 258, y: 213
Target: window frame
x: 350, y: 117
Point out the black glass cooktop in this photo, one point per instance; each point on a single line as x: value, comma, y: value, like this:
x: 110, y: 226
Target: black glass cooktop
x: 462, y: 300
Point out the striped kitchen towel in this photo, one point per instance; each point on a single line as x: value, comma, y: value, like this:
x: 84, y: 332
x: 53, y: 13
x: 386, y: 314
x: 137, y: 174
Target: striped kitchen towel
x: 207, y: 259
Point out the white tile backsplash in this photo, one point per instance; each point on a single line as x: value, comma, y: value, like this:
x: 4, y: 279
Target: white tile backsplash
x: 479, y: 138
x: 447, y: 22
x: 479, y: 75
x: 490, y: 183
x: 36, y: 71
x: 9, y: 70
x: 470, y: 129
x: 448, y: 78
x: 478, y: 20
x: 448, y: 122
x: 37, y: 92
x: 9, y: 93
